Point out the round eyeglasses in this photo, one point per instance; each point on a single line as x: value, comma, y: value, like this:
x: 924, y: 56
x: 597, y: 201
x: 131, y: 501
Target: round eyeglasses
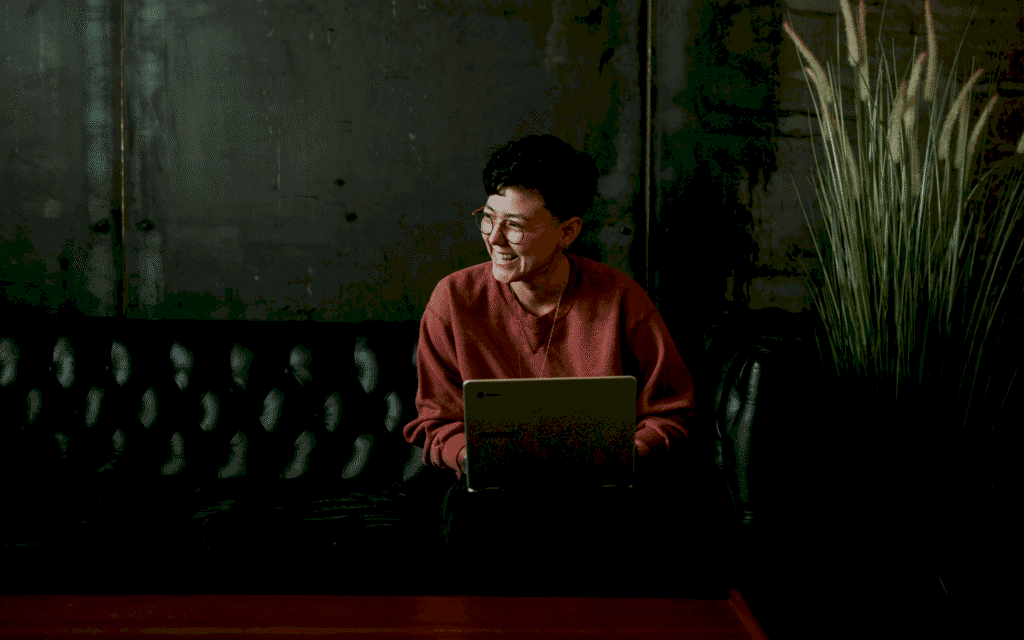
x: 512, y: 231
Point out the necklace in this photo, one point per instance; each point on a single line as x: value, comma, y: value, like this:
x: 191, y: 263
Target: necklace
x: 551, y: 333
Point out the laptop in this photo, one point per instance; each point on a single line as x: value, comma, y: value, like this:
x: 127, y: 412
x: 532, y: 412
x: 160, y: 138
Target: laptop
x: 529, y: 433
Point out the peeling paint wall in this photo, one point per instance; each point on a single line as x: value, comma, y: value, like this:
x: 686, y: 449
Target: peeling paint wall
x: 319, y: 158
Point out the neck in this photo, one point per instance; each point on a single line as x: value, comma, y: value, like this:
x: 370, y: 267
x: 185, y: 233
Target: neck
x: 547, y: 287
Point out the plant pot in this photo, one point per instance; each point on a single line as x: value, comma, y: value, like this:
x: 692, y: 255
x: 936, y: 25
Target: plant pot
x: 907, y: 495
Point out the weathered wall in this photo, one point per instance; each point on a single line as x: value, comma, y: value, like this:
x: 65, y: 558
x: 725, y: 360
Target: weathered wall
x: 293, y: 159
x: 319, y: 157
x: 715, y: 114
x: 316, y: 156
x: 58, y: 133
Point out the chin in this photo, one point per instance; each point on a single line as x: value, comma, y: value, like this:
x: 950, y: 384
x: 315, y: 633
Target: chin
x: 503, y: 276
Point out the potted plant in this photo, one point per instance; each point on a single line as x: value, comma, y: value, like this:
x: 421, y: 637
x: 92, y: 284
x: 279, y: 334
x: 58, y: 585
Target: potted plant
x: 920, y: 272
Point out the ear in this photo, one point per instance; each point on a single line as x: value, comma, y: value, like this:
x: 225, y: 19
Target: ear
x: 570, y: 230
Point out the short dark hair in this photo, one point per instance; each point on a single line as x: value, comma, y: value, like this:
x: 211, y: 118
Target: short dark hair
x: 565, y: 178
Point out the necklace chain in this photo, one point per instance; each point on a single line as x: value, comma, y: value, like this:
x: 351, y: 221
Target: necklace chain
x: 550, y: 333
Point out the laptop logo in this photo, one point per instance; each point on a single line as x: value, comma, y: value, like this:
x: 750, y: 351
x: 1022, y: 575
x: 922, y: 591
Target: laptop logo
x: 480, y: 394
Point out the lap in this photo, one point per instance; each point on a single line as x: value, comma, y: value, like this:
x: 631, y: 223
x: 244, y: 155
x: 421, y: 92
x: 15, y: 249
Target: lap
x: 544, y: 520
x: 545, y: 542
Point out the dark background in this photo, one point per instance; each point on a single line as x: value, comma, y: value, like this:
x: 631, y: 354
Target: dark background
x: 274, y: 160
x: 294, y: 160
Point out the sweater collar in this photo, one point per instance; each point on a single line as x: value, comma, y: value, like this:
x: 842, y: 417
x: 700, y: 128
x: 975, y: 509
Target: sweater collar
x: 536, y: 328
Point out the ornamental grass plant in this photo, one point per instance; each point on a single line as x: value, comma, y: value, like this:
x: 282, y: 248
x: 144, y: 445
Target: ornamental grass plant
x: 920, y: 295
x: 917, y: 269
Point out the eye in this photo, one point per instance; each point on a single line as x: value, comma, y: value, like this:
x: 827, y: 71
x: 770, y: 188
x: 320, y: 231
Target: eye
x: 514, y: 225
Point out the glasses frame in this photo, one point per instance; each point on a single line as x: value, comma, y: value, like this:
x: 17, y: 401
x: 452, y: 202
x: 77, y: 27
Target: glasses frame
x: 504, y: 230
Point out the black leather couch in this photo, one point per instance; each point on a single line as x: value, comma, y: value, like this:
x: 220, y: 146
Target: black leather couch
x: 262, y: 441
x: 194, y: 439
x: 332, y: 498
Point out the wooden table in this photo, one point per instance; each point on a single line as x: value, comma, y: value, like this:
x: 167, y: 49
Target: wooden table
x: 367, y: 616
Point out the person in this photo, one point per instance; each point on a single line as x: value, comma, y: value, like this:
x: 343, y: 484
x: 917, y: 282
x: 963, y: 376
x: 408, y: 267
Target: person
x: 536, y: 310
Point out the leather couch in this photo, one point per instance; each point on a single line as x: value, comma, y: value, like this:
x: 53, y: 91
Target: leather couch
x: 190, y: 439
x: 247, y: 454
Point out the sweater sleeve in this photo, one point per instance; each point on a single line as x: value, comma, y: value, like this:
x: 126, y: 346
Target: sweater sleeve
x: 438, y: 427
x: 666, y: 398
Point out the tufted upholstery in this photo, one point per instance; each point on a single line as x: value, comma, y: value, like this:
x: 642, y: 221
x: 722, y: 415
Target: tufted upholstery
x: 172, y: 424
x: 206, y: 401
x: 109, y: 421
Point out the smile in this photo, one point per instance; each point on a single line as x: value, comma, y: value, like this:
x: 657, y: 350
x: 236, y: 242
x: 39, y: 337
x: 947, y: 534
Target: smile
x: 505, y: 257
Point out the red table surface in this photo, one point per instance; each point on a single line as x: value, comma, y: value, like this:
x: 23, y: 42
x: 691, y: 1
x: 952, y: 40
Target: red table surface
x: 396, y: 617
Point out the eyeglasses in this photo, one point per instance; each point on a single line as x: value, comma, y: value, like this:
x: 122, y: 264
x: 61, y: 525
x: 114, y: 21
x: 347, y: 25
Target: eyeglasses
x: 512, y: 231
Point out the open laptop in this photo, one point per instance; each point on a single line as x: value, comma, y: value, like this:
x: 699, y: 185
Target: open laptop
x: 525, y: 433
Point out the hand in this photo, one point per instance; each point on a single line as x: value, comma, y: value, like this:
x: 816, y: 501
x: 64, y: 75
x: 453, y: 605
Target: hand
x: 463, y: 460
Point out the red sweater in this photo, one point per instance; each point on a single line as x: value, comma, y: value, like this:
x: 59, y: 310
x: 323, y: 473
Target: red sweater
x: 606, y: 326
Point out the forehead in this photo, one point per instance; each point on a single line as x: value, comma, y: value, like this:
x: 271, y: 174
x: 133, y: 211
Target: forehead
x: 517, y: 203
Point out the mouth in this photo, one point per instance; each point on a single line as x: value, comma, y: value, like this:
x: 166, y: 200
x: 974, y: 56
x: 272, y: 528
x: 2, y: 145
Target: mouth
x: 504, y: 257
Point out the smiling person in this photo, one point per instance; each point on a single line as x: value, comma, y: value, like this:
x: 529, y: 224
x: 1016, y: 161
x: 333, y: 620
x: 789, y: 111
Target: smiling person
x: 535, y: 310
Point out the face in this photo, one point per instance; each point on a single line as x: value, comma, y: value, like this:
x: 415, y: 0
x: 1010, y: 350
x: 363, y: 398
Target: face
x: 539, y: 248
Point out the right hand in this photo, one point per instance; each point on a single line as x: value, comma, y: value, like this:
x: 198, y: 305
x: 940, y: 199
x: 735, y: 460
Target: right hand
x: 462, y: 458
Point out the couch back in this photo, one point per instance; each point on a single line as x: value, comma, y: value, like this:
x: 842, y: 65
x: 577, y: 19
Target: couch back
x: 199, y: 402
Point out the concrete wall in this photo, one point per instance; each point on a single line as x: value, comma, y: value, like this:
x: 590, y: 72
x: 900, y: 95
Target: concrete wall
x: 58, y: 132
x: 320, y: 157
x: 715, y: 113
x: 288, y: 159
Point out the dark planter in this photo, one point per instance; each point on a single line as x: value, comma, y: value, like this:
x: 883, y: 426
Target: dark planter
x: 912, y: 525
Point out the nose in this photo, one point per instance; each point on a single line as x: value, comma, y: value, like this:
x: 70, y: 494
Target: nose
x: 497, y: 231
